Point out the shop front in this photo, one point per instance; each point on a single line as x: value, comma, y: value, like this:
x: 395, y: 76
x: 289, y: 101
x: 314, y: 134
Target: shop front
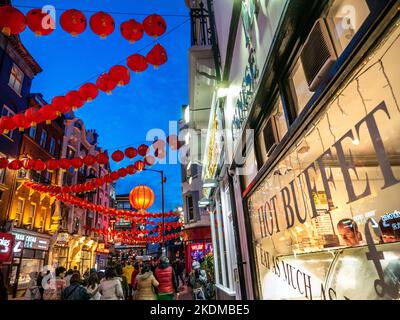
x: 82, y: 255
x: 325, y: 217
x: 197, y: 245
x: 30, y: 254
x: 6, y: 253
x: 101, y: 257
x: 60, y: 251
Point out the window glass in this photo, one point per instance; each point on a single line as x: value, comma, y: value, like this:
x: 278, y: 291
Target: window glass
x: 331, y: 202
x: 344, y: 18
x: 6, y: 111
x: 190, y: 208
x: 299, y: 87
x: 52, y: 148
x: 32, y: 132
x: 16, y: 79
x: 43, y: 138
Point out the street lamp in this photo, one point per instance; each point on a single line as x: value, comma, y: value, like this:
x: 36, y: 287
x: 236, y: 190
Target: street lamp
x: 163, y: 180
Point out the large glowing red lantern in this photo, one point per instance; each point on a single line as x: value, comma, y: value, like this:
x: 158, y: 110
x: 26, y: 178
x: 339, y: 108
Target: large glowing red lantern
x: 157, y: 56
x: 73, y: 21
x: 120, y: 74
x: 132, y: 30
x: 77, y: 162
x: 48, y: 113
x: 141, y: 198
x: 102, y: 24
x: 137, y: 63
x: 105, y: 83
x: 61, y: 104
x: 117, y: 156
x: 74, y: 99
x: 130, y: 152
x: 143, y: 150
x: 88, y: 91
x: 154, y: 25
x: 52, y: 165
x: 12, y: 21
x: 40, y: 22
x: 65, y: 163
x: 102, y: 158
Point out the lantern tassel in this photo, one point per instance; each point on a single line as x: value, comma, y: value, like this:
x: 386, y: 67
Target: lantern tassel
x: 6, y: 31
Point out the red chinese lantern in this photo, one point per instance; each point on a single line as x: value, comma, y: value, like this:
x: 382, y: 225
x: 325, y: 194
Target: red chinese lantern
x: 117, y: 156
x: 74, y: 99
x: 102, y: 158
x: 139, y: 165
x: 130, y: 152
x: 137, y: 63
x: 61, y: 104
x: 52, y: 165
x: 141, y: 198
x: 20, y: 121
x: 30, y: 115
x: 149, y: 160
x: 105, y: 83
x: 131, y: 169
x: 120, y: 74
x: 132, y: 30
x: 15, y: 165
x: 12, y: 21
x: 143, y: 150
x: 114, y: 176
x: 3, y: 163
x: 89, y: 160
x: 77, y: 162
x: 48, y: 113
x: 7, y: 124
x: 157, y: 56
x: 41, y: 23
x: 102, y: 24
x: 65, y: 163
x: 39, y: 165
x: 122, y: 172
x: 88, y: 91
x: 73, y: 21
x: 154, y: 25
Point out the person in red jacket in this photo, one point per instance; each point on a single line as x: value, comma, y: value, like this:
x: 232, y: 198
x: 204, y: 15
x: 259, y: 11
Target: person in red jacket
x: 165, y: 275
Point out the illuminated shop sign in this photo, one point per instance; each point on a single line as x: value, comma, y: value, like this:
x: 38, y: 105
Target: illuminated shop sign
x: 6, y: 244
x: 29, y: 241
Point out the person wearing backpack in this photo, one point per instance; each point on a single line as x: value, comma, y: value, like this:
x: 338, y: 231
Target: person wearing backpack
x: 76, y: 291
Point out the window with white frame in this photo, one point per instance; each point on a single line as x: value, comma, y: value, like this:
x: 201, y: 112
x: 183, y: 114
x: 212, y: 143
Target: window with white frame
x: 16, y: 79
x: 6, y: 111
x: 43, y: 138
x: 52, y: 148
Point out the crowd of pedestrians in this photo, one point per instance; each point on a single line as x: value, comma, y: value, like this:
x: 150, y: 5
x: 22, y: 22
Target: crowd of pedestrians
x: 137, y: 280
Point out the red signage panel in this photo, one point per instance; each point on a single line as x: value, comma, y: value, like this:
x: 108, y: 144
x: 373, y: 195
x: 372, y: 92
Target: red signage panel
x: 6, y: 246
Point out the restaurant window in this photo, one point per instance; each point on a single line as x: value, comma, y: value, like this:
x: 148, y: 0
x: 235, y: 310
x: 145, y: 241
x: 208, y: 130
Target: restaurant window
x: 52, y: 148
x: 331, y: 202
x: 190, y: 207
x: 32, y: 132
x: 7, y: 112
x: 16, y: 79
x: 345, y: 18
x: 43, y: 138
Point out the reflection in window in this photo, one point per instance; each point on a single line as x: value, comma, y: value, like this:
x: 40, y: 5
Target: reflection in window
x: 299, y: 87
x: 16, y: 79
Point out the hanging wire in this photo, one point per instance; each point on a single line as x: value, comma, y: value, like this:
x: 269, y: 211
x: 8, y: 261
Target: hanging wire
x: 344, y: 114
x: 330, y: 127
x: 113, y: 12
x: 389, y: 84
x: 361, y: 95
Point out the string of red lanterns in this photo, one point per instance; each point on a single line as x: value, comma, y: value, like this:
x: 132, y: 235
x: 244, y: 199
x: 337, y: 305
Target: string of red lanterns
x: 75, y: 99
x: 74, y: 22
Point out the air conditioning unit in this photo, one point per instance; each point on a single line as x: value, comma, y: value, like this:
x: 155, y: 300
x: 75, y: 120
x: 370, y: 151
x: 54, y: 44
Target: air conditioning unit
x: 318, y: 55
x: 270, y: 135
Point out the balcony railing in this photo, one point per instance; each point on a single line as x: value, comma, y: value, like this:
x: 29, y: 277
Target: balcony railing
x: 201, y: 26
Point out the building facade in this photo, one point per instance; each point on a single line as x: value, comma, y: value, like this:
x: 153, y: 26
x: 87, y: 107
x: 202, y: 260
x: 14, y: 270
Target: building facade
x: 301, y: 143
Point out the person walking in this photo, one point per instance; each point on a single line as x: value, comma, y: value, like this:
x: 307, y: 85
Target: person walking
x: 53, y: 288
x: 127, y: 272
x: 110, y: 287
x: 93, y: 287
x: 75, y: 291
x: 198, y: 281
x: 124, y: 281
x: 3, y: 289
x: 68, y: 276
x: 32, y: 292
x: 165, y: 275
x: 145, y: 284
x: 135, y: 272
x: 39, y: 282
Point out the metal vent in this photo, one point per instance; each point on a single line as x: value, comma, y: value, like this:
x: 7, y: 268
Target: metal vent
x: 318, y: 55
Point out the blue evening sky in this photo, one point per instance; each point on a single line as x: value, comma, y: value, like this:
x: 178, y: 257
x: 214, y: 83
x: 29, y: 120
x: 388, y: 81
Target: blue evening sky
x: 151, y: 100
